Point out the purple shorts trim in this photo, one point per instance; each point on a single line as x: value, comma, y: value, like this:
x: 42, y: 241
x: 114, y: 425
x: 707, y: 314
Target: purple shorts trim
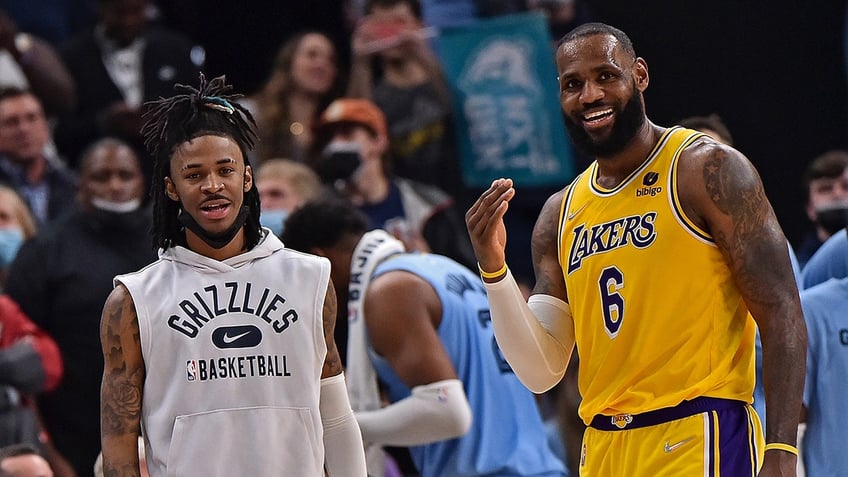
x: 621, y: 422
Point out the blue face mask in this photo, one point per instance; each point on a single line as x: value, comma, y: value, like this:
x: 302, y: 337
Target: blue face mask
x: 10, y: 242
x: 274, y: 219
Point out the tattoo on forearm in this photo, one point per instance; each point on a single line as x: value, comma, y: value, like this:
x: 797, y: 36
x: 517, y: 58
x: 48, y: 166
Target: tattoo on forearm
x: 121, y: 391
x: 121, y: 400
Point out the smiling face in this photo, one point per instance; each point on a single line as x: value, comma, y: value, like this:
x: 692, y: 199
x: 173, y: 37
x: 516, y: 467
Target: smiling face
x: 208, y: 176
x: 314, y: 64
x: 601, y: 89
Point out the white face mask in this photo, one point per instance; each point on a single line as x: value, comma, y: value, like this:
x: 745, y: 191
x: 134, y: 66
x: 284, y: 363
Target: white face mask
x: 116, y: 207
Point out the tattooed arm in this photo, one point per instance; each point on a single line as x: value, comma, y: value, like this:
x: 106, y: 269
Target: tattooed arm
x: 121, y: 390
x: 333, y: 362
x: 721, y: 190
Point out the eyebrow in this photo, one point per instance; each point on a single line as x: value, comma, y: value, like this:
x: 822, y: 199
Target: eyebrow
x: 194, y: 165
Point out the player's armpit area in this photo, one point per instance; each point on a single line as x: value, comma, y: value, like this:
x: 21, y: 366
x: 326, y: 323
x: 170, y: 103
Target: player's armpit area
x: 121, y: 389
x: 545, y: 252
x: 333, y: 362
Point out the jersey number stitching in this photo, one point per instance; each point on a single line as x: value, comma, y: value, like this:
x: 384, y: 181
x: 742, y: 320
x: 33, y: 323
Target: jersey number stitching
x: 612, y: 303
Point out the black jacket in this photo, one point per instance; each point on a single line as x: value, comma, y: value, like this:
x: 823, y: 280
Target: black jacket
x: 61, y: 279
x: 167, y: 60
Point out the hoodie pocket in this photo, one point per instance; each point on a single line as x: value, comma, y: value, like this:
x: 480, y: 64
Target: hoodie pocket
x: 255, y: 441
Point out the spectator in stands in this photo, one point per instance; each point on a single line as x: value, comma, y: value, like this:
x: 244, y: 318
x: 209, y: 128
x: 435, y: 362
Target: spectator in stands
x: 411, y: 91
x: 284, y: 185
x: 826, y: 182
x: 711, y: 125
x: 354, y: 137
x: 303, y: 81
x: 62, y: 277
x: 29, y: 358
x: 27, y: 163
x: 119, y: 64
x: 16, y: 226
x: 28, y: 62
x: 23, y: 460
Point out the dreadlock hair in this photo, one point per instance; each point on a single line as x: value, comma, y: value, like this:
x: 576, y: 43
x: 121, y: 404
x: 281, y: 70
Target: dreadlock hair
x: 192, y: 113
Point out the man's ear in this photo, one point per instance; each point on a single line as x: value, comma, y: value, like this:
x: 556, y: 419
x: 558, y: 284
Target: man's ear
x: 640, y: 73
x: 248, y: 178
x: 171, y: 190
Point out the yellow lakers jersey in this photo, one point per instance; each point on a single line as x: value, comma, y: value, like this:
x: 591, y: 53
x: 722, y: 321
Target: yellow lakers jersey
x: 657, y: 316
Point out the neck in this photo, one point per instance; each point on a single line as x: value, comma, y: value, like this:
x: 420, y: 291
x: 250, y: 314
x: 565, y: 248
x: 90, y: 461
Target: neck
x: 372, y: 186
x: 615, y: 168
x: 197, y: 245
x: 34, y: 168
x: 302, y: 107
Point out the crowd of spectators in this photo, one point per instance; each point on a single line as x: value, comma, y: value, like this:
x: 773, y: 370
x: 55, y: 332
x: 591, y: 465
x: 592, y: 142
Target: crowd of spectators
x: 368, y: 119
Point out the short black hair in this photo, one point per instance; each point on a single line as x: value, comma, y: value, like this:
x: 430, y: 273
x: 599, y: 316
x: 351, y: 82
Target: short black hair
x: 323, y: 223
x: 195, y: 112
x: 596, y: 28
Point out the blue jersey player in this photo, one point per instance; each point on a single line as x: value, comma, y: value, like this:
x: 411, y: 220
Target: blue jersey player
x: 454, y: 401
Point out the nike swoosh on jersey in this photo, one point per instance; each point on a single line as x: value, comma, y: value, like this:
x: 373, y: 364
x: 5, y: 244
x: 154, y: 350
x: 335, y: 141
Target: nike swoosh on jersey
x: 229, y: 339
x: 574, y: 214
x: 671, y: 447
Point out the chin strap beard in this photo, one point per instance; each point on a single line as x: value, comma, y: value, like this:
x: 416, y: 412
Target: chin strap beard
x: 214, y: 240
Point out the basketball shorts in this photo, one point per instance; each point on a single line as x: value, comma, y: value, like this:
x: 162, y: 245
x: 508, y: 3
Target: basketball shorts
x: 707, y: 437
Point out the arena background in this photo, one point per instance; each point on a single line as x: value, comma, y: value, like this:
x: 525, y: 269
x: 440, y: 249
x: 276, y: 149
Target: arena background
x: 774, y: 71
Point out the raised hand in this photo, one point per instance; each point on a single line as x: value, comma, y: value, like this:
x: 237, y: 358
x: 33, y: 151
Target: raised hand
x: 486, y: 227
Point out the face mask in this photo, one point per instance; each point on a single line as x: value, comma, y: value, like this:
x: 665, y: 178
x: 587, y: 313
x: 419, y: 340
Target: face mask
x: 339, y: 161
x: 833, y: 217
x: 116, y: 207
x: 10, y: 242
x: 274, y: 219
x: 215, y: 240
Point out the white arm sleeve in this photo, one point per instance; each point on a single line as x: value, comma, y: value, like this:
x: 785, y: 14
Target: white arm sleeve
x: 536, y: 337
x: 433, y: 412
x: 344, y: 451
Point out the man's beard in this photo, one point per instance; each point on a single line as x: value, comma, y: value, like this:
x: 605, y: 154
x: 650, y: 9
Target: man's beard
x: 627, y: 124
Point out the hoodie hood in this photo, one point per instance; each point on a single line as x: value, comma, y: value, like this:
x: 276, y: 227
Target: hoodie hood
x: 268, y: 244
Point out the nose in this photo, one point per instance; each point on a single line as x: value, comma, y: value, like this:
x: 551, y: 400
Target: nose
x: 212, y: 185
x: 115, y: 184
x: 591, y: 92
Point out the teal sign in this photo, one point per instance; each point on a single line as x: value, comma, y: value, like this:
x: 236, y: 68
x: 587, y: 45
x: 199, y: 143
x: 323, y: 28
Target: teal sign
x: 506, y: 101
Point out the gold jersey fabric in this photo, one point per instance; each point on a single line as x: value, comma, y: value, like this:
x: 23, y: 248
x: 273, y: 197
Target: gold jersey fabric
x: 657, y: 316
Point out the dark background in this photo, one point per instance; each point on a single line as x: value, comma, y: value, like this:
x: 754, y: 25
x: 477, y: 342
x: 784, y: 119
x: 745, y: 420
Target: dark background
x: 773, y: 70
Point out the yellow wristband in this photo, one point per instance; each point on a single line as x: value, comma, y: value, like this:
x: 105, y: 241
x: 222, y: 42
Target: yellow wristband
x: 781, y: 446
x: 497, y: 274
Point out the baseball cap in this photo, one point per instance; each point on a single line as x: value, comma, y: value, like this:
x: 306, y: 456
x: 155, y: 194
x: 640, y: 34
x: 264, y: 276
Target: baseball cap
x: 356, y: 111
